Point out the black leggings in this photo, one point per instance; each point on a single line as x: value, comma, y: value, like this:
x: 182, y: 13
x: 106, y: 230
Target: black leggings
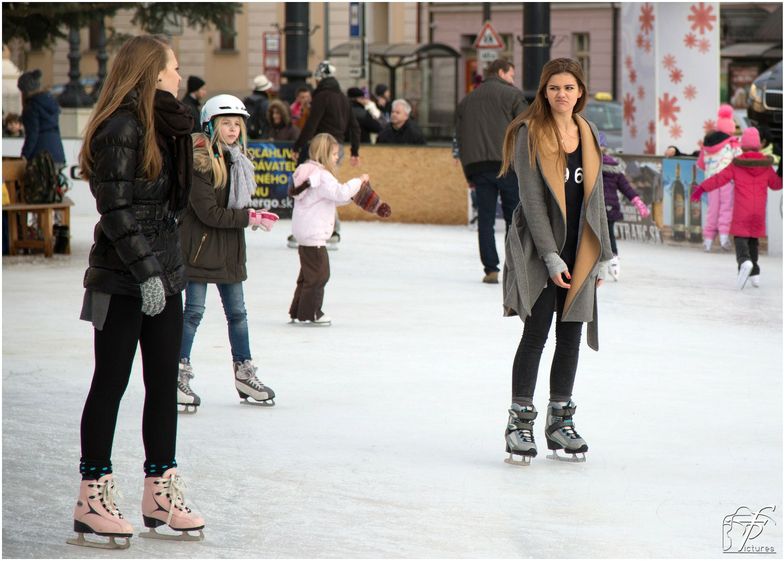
x: 115, y: 346
x: 567, y: 348
x: 613, y: 243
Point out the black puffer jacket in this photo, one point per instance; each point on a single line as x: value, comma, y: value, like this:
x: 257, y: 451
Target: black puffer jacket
x: 330, y: 112
x: 136, y: 236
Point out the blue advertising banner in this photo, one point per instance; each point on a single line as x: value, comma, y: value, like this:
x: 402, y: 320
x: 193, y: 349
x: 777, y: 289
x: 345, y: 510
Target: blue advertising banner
x: 274, y: 164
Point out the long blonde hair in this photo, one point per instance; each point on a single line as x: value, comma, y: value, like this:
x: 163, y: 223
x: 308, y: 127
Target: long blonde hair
x: 136, y: 67
x: 539, y: 115
x: 321, y: 151
x: 219, y: 170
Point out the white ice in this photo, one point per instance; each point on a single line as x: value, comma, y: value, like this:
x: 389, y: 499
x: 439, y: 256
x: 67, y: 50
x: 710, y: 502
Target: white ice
x: 387, y: 437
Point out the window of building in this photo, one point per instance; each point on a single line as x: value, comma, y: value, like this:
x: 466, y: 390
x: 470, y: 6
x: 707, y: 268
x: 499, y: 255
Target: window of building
x: 227, y: 39
x: 581, y: 51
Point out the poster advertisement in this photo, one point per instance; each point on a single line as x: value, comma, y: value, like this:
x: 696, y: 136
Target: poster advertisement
x: 644, y: 175
x: 683, y: 217
x: 275, y: 164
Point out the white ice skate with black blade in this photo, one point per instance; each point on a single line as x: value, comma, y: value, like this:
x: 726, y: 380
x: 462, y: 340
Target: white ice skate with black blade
x: 561, y: 435
x: 519, y: 435
x: 250, y: 388
x: 614, y: 268
x: 186, y: 397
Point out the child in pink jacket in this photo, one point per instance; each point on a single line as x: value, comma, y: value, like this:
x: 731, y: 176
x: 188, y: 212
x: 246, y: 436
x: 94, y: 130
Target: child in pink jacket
x: 317, y: 193
x: 718, y: 149
x: 753, y: 174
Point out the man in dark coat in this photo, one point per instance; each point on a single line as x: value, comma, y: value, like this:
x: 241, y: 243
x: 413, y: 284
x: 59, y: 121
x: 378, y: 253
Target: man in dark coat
x: 257, y: 104
x: 480, y: 123
x: 195, y: 93
x: 362, y: 108
x: 401, y: 129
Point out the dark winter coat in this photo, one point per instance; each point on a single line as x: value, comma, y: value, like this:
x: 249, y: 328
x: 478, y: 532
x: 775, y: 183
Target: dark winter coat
x: 481, y: 119
x: 136, y: 235
x: 195, y: 108
x: 330, y: 112
x: 539, y: 229
x: 41, y: 120
x: 257, y: 104
x: 409, y: 133
x: 367, y: 124
x: 753, y: 174
x: 213, y: 236
x: 614, y: 180
x: 285, y: 133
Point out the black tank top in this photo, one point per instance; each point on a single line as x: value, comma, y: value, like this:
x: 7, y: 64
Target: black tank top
x: 573, y: 186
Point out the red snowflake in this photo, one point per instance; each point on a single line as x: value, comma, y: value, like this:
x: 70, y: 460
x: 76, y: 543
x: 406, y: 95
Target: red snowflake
x: 690, y: 40
x: 628, y: 62
x: 668, y: 107
x: 668, y: 61
x: 676, y: 75
x: 647, y: 46
x: 650, y: 146
x: 633, y: 131
x: 629, y: 109
x: 676, y: 131
x: 632, y: 76
x: 701, y: 17
x: 704, y: 45
x: 646, y: 18
x: 640, y: 92
x: 690, y: 92
x: 651, y: 128
x: 640, y: 41
x: 709, y: 125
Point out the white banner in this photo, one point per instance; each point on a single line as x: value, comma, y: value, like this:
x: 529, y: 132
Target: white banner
x: 639, y: 23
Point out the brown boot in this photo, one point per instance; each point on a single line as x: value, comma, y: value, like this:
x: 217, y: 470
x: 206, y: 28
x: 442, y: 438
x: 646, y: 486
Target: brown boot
x: 491, y: 278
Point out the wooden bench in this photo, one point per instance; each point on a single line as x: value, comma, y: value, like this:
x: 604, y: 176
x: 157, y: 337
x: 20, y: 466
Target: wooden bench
x: 20, y: 236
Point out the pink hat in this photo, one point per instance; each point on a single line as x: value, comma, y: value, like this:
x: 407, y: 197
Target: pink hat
x: 750, y: 139
x: 725, y: 123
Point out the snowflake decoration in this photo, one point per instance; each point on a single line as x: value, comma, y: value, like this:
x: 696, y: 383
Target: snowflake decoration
x: 650, y: 146
x: 629, y: 109
x: 668, y: 107
x: 668, y: 61
x: 676, y: 75
x: 628, y: 62
x: 633, y: 76
x: 708, y: 126
x: 676, y: 131
x: 704, y: 45
x: 646, y: 18
x: 633, y: 131
x: 640, y: 92
x: 690, y: 92
x: 640, y: 41
x: 690, y: 40
x: 647, y: 46
x: 651, y: 128
x: 701, y: 17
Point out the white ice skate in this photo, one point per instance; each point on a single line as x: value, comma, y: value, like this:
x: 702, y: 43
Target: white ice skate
x: 163, y: 503
x: 755, y: 280
x: 250, y: 388
x: 333, y: 241
x: 561, y: 435
x: 185, y: 395
x: 96, y: 513
x: 614, y: 268
x: 743, y: 274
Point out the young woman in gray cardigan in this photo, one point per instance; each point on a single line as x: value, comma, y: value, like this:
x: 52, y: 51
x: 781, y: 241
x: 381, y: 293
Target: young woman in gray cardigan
x: 555, y: 253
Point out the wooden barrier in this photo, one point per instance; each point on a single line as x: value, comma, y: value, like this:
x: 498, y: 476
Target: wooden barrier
x: 422, y: 184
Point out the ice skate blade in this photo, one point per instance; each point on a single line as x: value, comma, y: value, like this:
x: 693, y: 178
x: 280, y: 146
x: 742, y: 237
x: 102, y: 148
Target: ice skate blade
x: 187, y: 408
x: 576, y: 457
x: 183, y: 536
x: 524, y: 461
x: 111, y: 544
x: 266, y: 403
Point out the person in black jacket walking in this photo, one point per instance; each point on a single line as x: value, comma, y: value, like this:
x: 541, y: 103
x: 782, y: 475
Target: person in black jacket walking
x: 195, y: 93
x: 480, y: 121
x: 137, y: 156
x: 367, y: 114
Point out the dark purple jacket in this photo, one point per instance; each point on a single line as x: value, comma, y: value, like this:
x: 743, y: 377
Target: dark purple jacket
x: 614, y: 180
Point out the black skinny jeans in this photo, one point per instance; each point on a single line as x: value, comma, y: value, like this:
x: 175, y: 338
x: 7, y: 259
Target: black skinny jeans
x: 747, y: 249
x: 529, y: 352
x: 115, y: 346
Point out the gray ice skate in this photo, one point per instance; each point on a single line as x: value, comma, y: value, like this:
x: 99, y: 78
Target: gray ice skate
x: 519, y: 434
x: 560, y: 432
x: 185, y: 395
x: 249, y: 386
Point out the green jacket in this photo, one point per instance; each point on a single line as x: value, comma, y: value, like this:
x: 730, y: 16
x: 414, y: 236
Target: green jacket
x: 212, y: 236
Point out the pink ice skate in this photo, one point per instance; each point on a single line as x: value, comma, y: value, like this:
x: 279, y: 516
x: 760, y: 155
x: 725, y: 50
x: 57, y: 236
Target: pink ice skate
x: 164, y: 504
x: 96, y: 513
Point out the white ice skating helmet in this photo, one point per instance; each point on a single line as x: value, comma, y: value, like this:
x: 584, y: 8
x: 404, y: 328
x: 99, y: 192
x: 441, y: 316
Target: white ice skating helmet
x: 325, y: 69
x: 223, y: 104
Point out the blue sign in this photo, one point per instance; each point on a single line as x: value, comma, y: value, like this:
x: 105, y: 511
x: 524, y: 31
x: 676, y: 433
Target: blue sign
x: 353, y: 20
x: 274, y: 165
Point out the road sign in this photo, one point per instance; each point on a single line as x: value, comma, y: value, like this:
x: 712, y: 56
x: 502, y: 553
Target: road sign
x: 487, y: 55
x: 488, y: 38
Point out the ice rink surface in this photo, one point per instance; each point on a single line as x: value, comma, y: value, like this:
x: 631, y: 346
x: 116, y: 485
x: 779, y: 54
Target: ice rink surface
x: 387, y: 437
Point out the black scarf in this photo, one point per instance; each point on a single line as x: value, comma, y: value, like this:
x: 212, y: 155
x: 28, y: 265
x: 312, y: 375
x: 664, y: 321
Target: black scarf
x: 173, y: 126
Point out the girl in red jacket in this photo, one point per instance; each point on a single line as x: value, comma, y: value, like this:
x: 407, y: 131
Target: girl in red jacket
x: 753, y: 174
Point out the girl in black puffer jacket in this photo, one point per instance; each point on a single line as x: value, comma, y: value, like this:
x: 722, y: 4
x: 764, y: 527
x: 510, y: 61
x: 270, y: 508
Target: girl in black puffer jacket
x: 137, y: 157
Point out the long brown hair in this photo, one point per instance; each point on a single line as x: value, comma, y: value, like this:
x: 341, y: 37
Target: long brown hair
x: 539, y: 115
x: 136, y: 67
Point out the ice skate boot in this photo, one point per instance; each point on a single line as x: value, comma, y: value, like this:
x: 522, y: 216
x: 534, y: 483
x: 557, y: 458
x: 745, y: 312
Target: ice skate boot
x: 333, y: 241
x: 707, y: 244
x: 249, y: 386
x: 96, y: 513
x: 743, y: 274
x: 164, y: 504
x: 615, y: 268
x: 560, y: 432
x: 519, y: 434
x: 291, y: 242
x: 724, y: 240
x: 755, y: 280
x: 185, y: 395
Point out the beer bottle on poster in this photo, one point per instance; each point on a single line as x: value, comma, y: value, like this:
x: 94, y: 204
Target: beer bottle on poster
x: 695, y: 210
x: 678, y: 206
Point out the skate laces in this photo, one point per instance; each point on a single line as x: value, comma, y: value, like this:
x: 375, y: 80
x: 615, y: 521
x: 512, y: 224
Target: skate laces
x: 174, y: 486
x: 107, y: 493
x: 246, y: 372
x: 186, y: 372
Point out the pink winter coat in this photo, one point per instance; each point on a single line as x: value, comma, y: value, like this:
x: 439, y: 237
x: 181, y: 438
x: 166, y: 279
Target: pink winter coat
x: 752, y: 173
x: 313, y: 219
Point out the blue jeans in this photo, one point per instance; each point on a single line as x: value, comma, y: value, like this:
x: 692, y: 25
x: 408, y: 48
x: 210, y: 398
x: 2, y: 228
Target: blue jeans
x: 488, y: 187
x: 233, y: 301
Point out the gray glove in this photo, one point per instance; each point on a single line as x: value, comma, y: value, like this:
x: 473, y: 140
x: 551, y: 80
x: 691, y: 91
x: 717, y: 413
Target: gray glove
x: 153, y: 296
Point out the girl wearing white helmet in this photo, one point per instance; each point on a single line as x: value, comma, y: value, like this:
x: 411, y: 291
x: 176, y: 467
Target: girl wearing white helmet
x: 213, y: 241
